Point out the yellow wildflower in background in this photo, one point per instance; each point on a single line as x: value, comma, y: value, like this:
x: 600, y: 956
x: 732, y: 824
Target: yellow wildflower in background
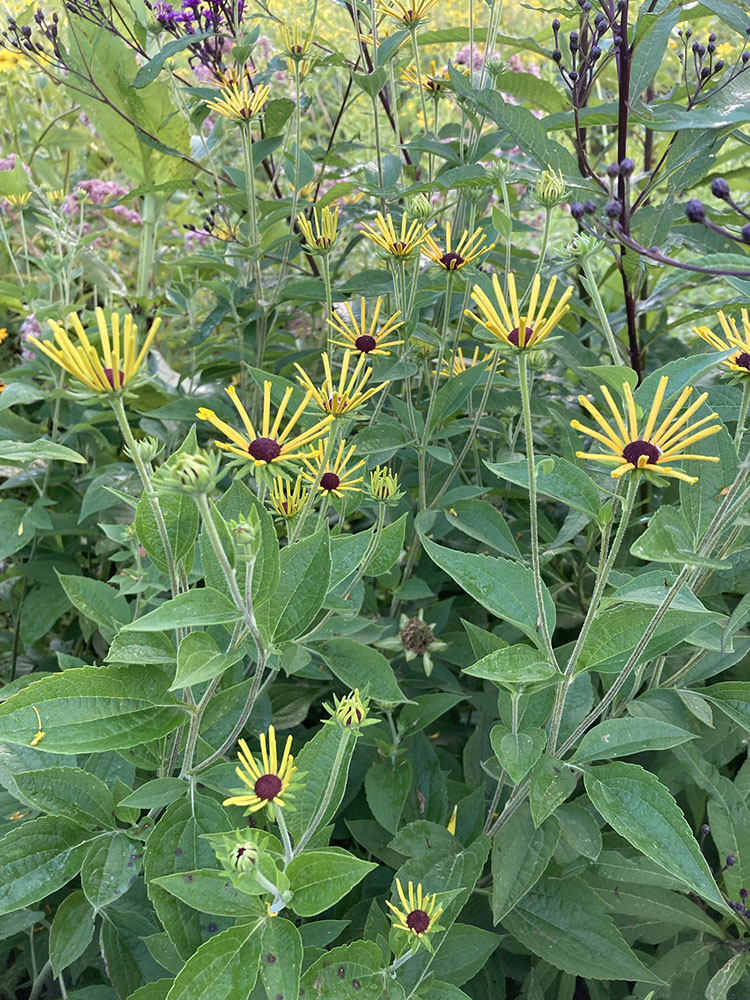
x: 348, y: 394
x: 236, y: 100
x: 461, y: 363
x: 118, y: 363
x: 433, y: 82
x: 469, y: 248
x: 296, y: 43
x: 272, y: 444
x: 288, y: 500
x: 401, y: 243
x: 410, y: 13
x: 268, y: 783
x: 419, y: 912
x: 18, y: 200
x: 739, y: 362
x: 507, y: 324
x: 360, y: 336
x: 321, y: 230
x: 337, y: 477
x: 650, y: 448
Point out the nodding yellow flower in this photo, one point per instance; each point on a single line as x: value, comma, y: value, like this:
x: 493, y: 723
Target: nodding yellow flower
x: 401, y: 243
x: 296, y: 43
x: 337, y: 477
x: 349, y: 394
x: 360, y: 336
x: 469, y: 248
x: 460, y: 363
x: 114, y: 365
x: 650, y: 447
x: 407, y: 12
x: 236, y: 100
x: 18, y: 199
x: 418, y: 914
x: 272, y: 444
x: 433, y: 82
x: 269, y: 781
x: 40, y: 733
x: 321, y: 230
x: 739, y: 362
x: 507, y: 324
x: 286, y: 500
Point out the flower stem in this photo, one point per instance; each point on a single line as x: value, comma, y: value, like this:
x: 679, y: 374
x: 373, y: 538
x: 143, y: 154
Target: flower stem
x: 434, y: 391
x: 601, y: 311
x: 742, y: 418
x: 420, y: 88
x: 311, y: 496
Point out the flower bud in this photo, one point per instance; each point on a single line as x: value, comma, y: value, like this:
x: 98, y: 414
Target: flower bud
x: 577, y: 210
x: 613, y: 209
x: 149, y: 448
x: 550, y: 188
x: 350, y: 711
x: 420, y: 207
x: 246, y: 536
x: 627, y: 166
x: 719, y: 188
x: 244, y: 855
x: 188, y: 473
x: 695, y: 210
x: 589, y: 206
x: 745, y: 233
x: 580, y: 246
x: 384, y: 485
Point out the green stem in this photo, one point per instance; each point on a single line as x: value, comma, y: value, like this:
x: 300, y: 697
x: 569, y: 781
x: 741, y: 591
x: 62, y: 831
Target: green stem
x: 151, y: 205
x: 742, y: 418
x: 434, y: 390
x: 311, y: 496
x: 601, y: 311
x: 252, y: 212
x: 535, y: 559
x: 285, y: 839
x: 508, y: 241
x: 420, y: 88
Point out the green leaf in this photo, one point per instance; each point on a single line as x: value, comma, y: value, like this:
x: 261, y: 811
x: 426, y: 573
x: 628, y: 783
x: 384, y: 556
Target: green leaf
x: 566, y: 924
x: 150, y: 70
x: 281, y: 961
x: 728, y: 976
x: 651, y: 37
x: 224, y: 968
x: 22, y: 453
x: 71, y: 792
x: 109, y: 869
x: 71, y: 931
x: 580, y: 829
x: 480, y: 520
x: 92, y: 709
x: 97, y: 601
x: 209, y: 890
x: 276, y: 115
x: 520, y: 855
x: 555, y: 478
x: 621, y: 737
x: 159, y: 792
x: 371, y: 83
x: 236, y: 505
x: 300, y: 592
x: 361, y: 667
x: 733, y: 698
x: 550, y: 784
x: 389, y: 548
x: 517, y: 752
x: 386, y: 788
x: 424, y: 710
x: 141, y: 647
x: 332, y: 975
x: 668, y: 538
x: 199, y: 606
x: 177, y: 846
x: 316, y: 761
x: 181, y: 521
x: 423, y: 837
x: 453, y: 394
x: 318, y: 879
x: 37, y: 858
x: 638, y: 807
x: 199, y: 659
x: 515, y: 668
x: 681, y: 373
x: 504, y: 588
x: 463, y: 952
x: 650, y: 588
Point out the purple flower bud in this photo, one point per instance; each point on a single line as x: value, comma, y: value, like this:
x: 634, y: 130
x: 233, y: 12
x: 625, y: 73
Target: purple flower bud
x: 705, y: 73
x: 556, y: 24
x: 746, y: 233
x: 745, y: 56
x: 573, y: 76
x: 743, y: 893
x: 689, y: 33
x: 613, y: 170
x: 718, y: 66
x: 712, y: 37
x: 705, y: 830
x: 613, y: 208
x: 594, y: 52
x: 627, y: 166
x: 719, y: 188
x: 577, y: 210
x: 695, y: 210
x: 731, y: 860
x: 557, y: 55
x: 589, y: 207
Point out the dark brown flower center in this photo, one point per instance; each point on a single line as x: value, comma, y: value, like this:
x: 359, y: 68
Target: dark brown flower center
x: 297, y: 50
x: 329, y: 481
x: 323, y: 242
x: 417, y: 637
x: 365, y: 343
x: 515, y: 334
x: 743, y: 360
x: 268, y: 787
x: 399, y: 247
x: 110, y: 376
x: 418, y: 921
x: 452, y: 260
x: 264, y: 449
x: 637, y: 449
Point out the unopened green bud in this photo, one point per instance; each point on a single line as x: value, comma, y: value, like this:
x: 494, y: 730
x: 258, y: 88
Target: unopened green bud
x: 246, y: 536
x: 420, y: 207
x: 501, y: 169
x: 186, y: 472
x: 384, y: 485
x: 580, y: 246
x: 550, y: 188
x: 149, y: 448
x: 243, y: 856
x: 351, y: 711
x: 494, y: 65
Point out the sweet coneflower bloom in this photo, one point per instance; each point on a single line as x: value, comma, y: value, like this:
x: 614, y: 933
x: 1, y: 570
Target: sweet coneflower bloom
x: 433, y: 82
x: 337, y: 476
x: 650, y: 447
x: 409, y: 13
x: 469, y: 248
x: 398, y: 243
x: 507, y: 324
x: 348, y: 394
x: 461, y: 363
x: 288, y: 500
x: 738, y: 363
x: 363, y: 336
x: 108, y: 369
x: 17, y: 200
x: 268, y: 443
x: 321, y: 230
x: 236, y: 100
x: 268, y: 781
x: 296, y: 42
x: 418, y: 913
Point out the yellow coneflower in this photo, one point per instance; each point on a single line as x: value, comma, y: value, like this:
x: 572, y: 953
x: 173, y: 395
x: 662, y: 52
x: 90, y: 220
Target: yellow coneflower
x: 401, y: 243
x: 508, y: 325
x: 651, y: 448
x: 433, y: 82
x: 348, y: 394
x: 18, y: 199
x: 407, y: 12
x: 461, y: 363
x: 418, y: 914
x: 236, y: 100
x: 267, y: 783
x: 4, y: 333
x: 360, y: 336
x: 469, y: 248
x: 55, y: 196
x: 272, y: 444
x: 118, y: 364
x: 288, y: 500
x: 321, y: 230
x: 296, y: 42
x: 337, y: 477
x: 739, y: 362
